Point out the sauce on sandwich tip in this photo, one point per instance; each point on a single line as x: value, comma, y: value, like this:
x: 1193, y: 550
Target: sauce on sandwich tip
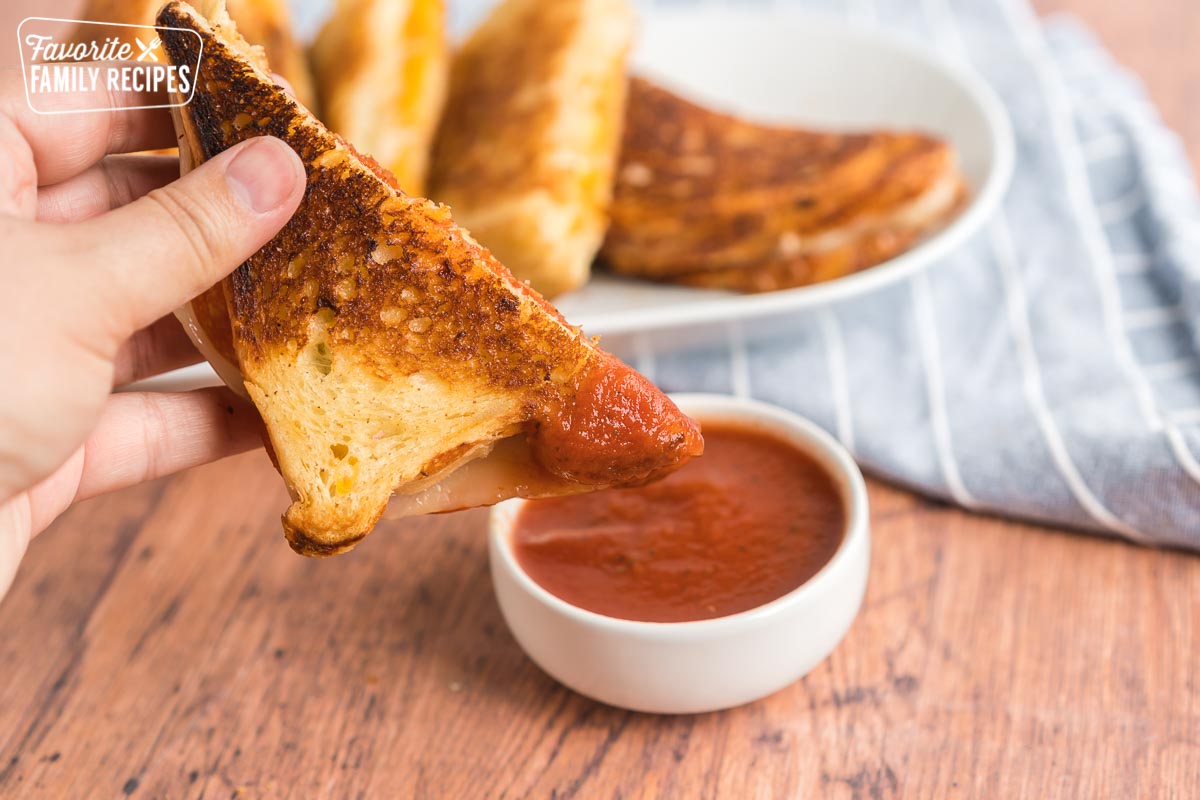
x: 618, y: 429
x: 746, y: 523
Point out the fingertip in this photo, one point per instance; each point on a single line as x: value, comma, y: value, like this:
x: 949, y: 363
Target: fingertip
x: 266, y: 176
x: 194, y: 231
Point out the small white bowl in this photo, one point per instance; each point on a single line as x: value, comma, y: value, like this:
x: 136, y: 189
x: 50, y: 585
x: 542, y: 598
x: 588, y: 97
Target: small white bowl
x: 691, y: 667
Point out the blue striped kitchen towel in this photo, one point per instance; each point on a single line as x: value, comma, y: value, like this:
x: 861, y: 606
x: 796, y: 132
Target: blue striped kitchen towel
x: 1048, y: 370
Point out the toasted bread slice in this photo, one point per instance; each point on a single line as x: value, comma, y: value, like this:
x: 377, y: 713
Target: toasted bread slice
x: 708, y: 199
x: 266, y: 23
x: 381, y: 68
x: 386, y: 350
x: 527, y: 146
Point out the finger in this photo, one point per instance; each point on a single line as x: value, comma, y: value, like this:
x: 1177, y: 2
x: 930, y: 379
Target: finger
x: 160, y: 348
x: 65, y: 145
x: 142, y: 436
x: 18, y: 175
x: 110, y: 183
x: 158, y: 252
x: 15, y: 532
x: 53, y: 495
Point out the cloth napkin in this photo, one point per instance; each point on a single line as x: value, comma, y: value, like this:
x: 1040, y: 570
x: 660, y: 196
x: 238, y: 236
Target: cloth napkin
x: 1048, y: 369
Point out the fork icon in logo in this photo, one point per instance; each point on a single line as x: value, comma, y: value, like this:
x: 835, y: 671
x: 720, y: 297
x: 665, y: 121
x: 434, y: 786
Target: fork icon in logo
x: 147, y: 53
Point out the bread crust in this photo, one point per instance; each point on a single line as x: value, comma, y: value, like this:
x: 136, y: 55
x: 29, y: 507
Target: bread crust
x: 265, y: 23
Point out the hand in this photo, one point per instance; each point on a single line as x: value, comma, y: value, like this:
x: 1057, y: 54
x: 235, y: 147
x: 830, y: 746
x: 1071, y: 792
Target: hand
x: 98, y: 249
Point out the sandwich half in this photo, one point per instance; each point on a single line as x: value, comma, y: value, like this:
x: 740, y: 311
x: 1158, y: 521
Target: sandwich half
x: 386, y: 351
x: 381, y: 68
x: 528, y: 143
x: 707, y: 199
x: 265, y: 23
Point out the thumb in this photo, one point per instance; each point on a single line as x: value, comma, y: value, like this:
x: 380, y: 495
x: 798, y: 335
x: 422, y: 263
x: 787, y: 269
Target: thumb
x: 162, y: 250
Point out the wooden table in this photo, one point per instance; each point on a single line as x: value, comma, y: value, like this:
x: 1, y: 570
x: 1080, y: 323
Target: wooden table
x: 165, y: 642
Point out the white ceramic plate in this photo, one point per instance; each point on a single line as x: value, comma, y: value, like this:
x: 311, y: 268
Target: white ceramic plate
x: 790, y: 67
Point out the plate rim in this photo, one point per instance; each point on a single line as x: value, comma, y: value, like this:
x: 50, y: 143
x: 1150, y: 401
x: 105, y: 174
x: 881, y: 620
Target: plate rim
x: 982, y: 207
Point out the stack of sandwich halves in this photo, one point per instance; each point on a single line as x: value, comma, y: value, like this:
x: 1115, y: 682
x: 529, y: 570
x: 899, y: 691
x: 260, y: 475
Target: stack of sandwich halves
x: 553, y: 158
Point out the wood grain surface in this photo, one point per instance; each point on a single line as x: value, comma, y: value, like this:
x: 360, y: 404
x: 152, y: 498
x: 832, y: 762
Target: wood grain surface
x: 164, y: 642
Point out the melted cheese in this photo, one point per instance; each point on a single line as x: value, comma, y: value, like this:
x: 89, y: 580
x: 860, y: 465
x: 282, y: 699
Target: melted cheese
x: 507, y: 471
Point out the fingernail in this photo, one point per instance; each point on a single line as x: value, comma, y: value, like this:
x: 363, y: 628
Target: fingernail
x: 263, y: 174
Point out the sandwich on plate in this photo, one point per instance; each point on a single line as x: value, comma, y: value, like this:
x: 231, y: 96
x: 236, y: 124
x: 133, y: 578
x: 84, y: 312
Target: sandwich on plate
x: 526, y: 149
x: 388, y: 353
x: 707, y: 199
x: 381, y: 68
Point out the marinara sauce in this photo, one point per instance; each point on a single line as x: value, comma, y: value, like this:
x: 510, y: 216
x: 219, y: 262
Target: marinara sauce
x: 744, y: 524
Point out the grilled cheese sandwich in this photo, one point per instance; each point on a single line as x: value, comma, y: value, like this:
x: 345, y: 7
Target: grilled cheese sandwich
x: 707, y: 199
x: 386, y: 350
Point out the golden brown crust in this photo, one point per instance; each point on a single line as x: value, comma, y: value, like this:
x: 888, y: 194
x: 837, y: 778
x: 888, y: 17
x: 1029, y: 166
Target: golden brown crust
x: 268, y: 23
x: 369, y: 299
x: 708, y: 199
x: 313, y: 547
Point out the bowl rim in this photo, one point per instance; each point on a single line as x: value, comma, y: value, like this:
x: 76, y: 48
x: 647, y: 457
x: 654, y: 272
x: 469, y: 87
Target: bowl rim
x: 811, y: 438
